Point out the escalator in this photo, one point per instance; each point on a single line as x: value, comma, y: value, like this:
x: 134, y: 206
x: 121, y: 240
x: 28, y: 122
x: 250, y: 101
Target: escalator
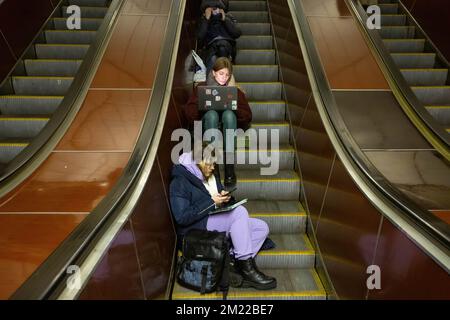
x: 424, y: 69
x: 274, y: 199
x: 37, y: 86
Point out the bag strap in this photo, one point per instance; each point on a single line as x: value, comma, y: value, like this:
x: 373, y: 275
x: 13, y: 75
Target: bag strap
x: 204, y: 274
x: 225, y: 280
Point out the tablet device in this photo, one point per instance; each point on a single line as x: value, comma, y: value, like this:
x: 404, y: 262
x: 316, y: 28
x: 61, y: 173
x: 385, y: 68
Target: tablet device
x: 229, y: 207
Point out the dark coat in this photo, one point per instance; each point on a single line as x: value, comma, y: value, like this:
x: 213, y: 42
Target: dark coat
x: 216, y: 28
x: 189, y: 200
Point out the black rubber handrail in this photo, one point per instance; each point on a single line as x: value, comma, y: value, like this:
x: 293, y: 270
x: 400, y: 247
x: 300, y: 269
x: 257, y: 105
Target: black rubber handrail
x: 434, y: 229
x: 427, y: 119
x: 68, y: 104
x: 50, y: 278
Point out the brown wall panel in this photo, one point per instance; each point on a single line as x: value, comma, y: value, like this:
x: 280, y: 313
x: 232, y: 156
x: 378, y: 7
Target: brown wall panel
x: 118, y: 274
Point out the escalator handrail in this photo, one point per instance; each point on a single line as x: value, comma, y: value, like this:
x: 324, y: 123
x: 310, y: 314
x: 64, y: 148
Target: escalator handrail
x: 49, y: 280
x: 41, y: 146
x: 434, y: 234
x: 436, y: 135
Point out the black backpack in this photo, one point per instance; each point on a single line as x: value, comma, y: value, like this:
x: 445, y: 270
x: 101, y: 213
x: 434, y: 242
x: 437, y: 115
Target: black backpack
x: 204, y: 265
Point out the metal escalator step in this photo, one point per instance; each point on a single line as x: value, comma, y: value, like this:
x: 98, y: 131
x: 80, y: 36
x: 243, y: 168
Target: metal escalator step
x: 253, y: 72
x: 254, y: 42
x: 250, y: 16
x: 433, y: 95
x: 87, y: 11
x: 292, y: 284
x: 425, y: 77
x: 92, y: 3
x: 404, y: 45
x: 441, y: 114
x: 247, y: 5
x: 393, y: 20
x: 23, y: 127
x: 285, y: 185
x: 259, y: 29
x: 259, y: 158
x: 23, y: 105
x: 255, y: 56
x: 414, y: 60
x: 267, y: 130
x: 261, y: 91
x: 70, y: 36
x: 52, y: 67
x: 268, y: 111
x: 61, y: 51
x: 388, y: 8
x: 10, y: 148
x: 88, y: 24
x: 292, y: 251
x: 282, y: 216
x: 398, y: 32
x: 47, y: 86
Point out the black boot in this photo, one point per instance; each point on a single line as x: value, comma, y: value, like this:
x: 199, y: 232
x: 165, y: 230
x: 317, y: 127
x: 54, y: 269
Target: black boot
x: 253, y: 277
x: 230, y: 176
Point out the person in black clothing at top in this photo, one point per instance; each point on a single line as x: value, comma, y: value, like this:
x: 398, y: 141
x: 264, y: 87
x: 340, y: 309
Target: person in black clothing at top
x: 217, y: 32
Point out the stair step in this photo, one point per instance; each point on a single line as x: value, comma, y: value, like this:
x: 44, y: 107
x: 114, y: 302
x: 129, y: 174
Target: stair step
x: 87, y: 11
x: 261, y: 91
x: 22, y: 127
x: 398, y: 32
x: 433, y: 95
x: 268, y: 130
x: 253, y: 72
x: 260, y: 158
x: 9, y: 149
x: 52, y: 67
x: 255, y: 56
x: 414, y: 60
x: 250, y: 16
x: 393, y: 20
x: 92, y: 3
x: 87, y: 24
x: 441, y: 114
x: 252, y: 29
x: 70, y: 36
x: 285, y: 185
x: 61, y: 51
x: 45, y: 86
x: 388, y: 8
x: 282, y: 216
x: 425, y: 77
x: 292, y: 284
x: 405, y: 45
x: 254, y: 42
x: 247, y: 5
x: 23, y: 105
x: 268, y: 111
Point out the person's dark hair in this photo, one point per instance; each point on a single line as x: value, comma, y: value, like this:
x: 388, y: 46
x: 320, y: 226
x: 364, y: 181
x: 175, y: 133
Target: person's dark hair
x: 222, y: 63
x: 212, y: 4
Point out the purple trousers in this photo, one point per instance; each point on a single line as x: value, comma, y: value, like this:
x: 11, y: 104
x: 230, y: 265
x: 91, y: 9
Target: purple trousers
x: 247, y: 234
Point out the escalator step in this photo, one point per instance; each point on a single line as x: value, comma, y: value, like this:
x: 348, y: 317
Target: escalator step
x: 247, y: 5
x: 46, y: 86
x: 255, y: 159
x: 51, y: 67
x: 285, y: 185
x: 441, y: 114
x: 266, y: 130
x: 292, y: 284
x: 268, y: 111
x: 61, y: 51
x: 249, y: 56
x: 261, y: 91
x: 22, y: 127
x: 433, y: 95
x: 254, y: 42
x: 10, y: 148
x: 425, y: 77
x: 393, y: 20
x: 92, y: 3
x: 254, y: 72
x: 388, y: 8
x: 23, y: 105
x: 398, y: 32
x: 70, y: 37
x: 414, y: 60
x: 250, y: 16
x: 89, y: 24
x: 258, y: 29
x: 87, y: 11
x: 405, y: 45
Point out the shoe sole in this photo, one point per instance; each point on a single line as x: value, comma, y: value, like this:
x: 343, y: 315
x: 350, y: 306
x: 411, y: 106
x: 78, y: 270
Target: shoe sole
x: 269, y: 286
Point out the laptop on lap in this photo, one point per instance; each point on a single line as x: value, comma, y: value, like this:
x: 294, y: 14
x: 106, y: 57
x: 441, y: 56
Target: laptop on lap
x: 217, y: 98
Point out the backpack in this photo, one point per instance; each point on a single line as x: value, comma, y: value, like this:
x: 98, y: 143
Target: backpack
x: 204, y: 265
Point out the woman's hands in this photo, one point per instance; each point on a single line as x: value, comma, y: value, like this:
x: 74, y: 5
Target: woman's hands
x: 208, y: 12
x: 221, y: 198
